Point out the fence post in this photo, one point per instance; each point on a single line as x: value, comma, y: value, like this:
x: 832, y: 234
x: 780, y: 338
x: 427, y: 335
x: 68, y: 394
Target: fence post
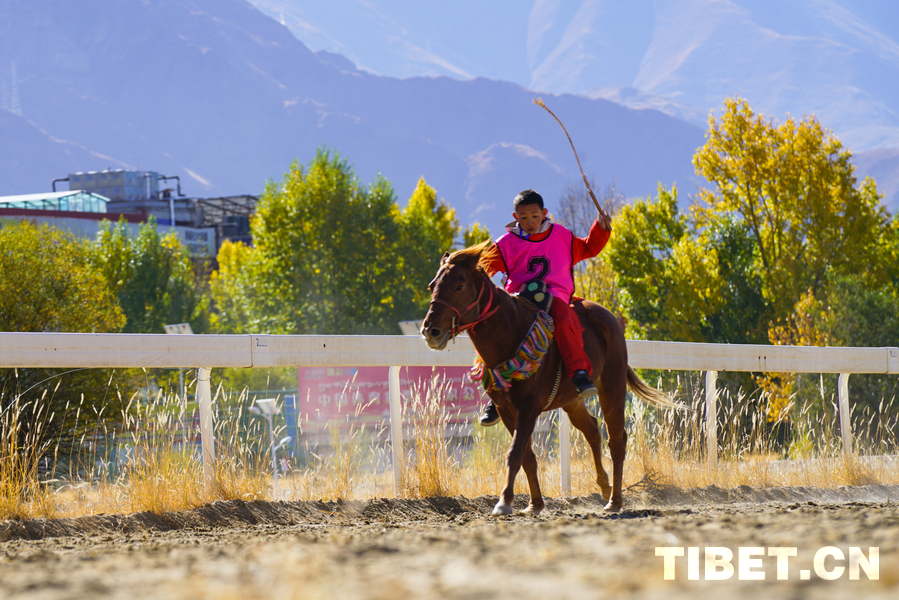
x: 711, y: 416
x: 564, y: 452
x: 207, y: 433
x: 396, y: 429
x: 845, y: 423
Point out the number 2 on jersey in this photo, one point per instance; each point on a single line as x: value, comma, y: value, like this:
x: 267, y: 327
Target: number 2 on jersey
x: 540, y: 264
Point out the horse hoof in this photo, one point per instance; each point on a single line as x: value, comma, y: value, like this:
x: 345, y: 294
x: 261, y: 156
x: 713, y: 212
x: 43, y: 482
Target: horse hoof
x: 501, y: 509
x: 612, y: 506
x: 533, y: 510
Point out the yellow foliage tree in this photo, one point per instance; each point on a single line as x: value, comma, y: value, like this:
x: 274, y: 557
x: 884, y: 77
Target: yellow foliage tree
x: 806, y: 326
x: 793, y: 185
x: 475, y: 234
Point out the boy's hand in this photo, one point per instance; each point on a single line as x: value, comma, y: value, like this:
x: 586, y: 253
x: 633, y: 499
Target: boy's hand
x: 605, y: 222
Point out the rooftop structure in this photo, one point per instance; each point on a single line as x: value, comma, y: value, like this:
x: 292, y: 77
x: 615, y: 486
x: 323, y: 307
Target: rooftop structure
x: 118, y: 184
x: 72, y: 201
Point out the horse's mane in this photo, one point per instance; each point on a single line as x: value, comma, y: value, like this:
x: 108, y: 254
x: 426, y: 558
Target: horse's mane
x: 472, y: 253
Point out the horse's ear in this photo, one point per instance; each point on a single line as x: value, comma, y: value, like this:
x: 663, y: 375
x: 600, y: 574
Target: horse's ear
x: 446, y: 255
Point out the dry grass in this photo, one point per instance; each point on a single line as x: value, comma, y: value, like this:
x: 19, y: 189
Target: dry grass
x: 21, y: 493
x: 145, y: 463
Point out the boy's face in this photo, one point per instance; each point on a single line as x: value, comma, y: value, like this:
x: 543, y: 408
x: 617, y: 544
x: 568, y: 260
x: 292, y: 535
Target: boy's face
x: 529, y: 217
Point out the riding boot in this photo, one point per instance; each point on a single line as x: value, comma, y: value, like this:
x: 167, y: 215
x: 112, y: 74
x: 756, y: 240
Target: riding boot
x: 490, y: 417
x: 585, y: 387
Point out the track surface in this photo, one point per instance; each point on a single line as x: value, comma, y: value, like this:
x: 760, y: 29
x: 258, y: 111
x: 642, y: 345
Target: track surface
x: 451, y: 548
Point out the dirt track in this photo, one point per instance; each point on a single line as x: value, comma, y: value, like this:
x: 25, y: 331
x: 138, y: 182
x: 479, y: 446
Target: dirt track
x: 450, y: 548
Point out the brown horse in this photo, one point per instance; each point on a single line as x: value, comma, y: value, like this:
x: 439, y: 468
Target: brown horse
x: 464, y: 298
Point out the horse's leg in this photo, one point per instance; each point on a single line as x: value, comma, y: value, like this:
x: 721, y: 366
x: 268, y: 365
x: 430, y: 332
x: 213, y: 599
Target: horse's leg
x: 586, y: 423
x: 613, y: 415
x: 607, y: 349
x: 522, y: 429
x: 529, y: 464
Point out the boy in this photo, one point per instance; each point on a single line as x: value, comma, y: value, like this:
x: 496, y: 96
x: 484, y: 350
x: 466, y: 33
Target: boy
x: 537, y: 248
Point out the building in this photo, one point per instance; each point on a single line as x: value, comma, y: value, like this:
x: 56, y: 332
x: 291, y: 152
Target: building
x: 201, y: 223
x: 82, y: 212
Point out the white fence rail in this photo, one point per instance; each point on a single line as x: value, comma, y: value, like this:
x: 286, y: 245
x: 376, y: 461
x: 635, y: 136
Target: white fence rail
x: 111, y: 350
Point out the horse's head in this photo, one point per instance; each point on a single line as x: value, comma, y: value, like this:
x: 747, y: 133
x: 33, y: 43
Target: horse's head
x: 456, y: 294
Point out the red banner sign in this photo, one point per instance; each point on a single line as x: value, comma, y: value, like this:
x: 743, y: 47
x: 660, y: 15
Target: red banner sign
x: 327, y: 394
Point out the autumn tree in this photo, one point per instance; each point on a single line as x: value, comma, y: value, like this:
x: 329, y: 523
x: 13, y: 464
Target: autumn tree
x: 792, y: 186
x: 785, y: 216
x: 49, y: 284
x: 786, y: 247
x: 238, y: 301
x: 474, y: 234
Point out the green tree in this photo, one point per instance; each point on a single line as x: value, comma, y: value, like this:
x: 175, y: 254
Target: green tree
x: 641, y: 252
x: 864, y: 315
x: 325, y: 240
x: 152, y: 277
x: 679, y: 282
x: 427, y: 230
x: 50, y: 285
x: 743, y: 314
x: 333, y: 256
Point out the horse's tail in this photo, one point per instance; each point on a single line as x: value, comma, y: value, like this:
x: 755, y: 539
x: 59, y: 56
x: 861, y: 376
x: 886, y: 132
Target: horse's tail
x: 648, y: 394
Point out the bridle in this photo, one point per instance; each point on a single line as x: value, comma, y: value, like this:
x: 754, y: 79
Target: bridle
x: 483, y: 315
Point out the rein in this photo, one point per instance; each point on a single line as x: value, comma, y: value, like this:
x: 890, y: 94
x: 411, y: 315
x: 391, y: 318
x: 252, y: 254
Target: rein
x: 482, y: 315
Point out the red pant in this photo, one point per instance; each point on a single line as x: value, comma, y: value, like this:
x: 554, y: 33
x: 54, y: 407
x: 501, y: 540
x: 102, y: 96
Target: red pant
x: 569, y: 337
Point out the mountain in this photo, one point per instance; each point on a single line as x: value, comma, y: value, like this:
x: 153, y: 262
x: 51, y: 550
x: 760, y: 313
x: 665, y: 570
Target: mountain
x: 30, y: 157
x: 226, y: 97
x: 836, y: 59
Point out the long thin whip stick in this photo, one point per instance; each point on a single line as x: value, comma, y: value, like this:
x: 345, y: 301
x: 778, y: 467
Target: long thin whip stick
x: 539, y: 102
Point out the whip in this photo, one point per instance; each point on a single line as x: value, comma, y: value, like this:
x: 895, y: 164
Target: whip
x: 539, y: 102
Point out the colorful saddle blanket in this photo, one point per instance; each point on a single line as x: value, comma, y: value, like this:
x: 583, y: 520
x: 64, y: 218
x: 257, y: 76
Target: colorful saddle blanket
x: 523, y: 364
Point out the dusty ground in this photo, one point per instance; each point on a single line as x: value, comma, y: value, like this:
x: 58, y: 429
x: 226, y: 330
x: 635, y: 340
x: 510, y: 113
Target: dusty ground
x: 451, y: 548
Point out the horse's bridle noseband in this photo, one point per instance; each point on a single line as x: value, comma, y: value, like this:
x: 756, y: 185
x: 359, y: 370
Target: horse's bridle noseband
x: 483, y: 315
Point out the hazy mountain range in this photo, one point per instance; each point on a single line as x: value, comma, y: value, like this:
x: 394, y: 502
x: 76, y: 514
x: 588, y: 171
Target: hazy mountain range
x: 226, y: 97
x: 838, y: 59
